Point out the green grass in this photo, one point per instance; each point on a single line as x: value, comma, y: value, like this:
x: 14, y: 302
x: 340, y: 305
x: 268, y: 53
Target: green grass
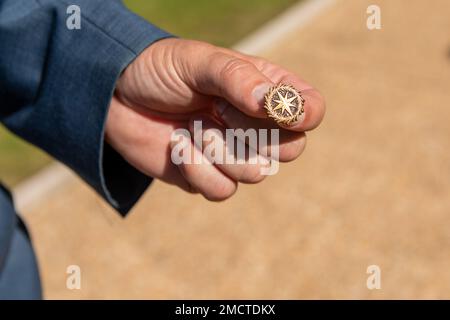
x: 221, y: 22
x: 18, y: 159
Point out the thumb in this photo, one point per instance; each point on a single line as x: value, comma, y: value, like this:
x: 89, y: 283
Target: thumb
x: 236, y: 80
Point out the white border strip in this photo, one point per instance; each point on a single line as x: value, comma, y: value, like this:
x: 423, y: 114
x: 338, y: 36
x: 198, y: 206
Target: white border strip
x: 41, y: 185
x: 295, y: 17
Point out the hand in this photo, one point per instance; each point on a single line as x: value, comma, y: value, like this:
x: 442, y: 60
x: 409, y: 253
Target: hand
x: 174, y: 82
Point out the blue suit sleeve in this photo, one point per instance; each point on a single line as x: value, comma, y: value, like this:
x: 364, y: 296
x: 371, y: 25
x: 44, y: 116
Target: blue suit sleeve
x: 56, y: 84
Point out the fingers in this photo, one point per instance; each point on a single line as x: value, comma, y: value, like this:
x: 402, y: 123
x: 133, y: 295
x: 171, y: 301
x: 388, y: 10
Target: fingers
x: 144, y: 142
x: 244, y: 85
x: 236, y: 80
x: 232, y: 156
x: 314, y: 103
x: 244, y: 80
x: 204, y: 177
x: 201, y: 70
x: 291, y: 144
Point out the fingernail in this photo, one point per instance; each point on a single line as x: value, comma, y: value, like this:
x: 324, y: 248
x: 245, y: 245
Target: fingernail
x: 260, y: 91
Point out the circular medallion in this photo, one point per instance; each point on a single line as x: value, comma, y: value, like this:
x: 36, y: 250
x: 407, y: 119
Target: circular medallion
x: 284, y: 104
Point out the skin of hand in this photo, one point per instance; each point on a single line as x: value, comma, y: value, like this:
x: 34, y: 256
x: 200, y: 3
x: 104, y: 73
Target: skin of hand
x: 174, y: 82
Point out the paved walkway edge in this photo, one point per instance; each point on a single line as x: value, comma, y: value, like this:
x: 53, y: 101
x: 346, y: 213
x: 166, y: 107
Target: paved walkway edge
x: 295, y: 17
x: 39, y: 186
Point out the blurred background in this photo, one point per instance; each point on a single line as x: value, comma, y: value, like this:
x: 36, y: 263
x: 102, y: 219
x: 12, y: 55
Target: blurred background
x: 372, y: 187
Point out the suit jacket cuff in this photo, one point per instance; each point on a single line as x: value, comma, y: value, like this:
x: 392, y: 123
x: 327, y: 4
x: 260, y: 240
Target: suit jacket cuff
x: 78, y: 84
x: 106, y: 171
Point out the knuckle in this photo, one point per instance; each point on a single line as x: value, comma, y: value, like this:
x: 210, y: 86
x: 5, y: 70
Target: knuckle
x: 232, y: 67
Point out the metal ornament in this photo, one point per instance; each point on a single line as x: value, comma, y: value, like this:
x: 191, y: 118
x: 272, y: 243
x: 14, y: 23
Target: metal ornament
x: 284, y: 104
